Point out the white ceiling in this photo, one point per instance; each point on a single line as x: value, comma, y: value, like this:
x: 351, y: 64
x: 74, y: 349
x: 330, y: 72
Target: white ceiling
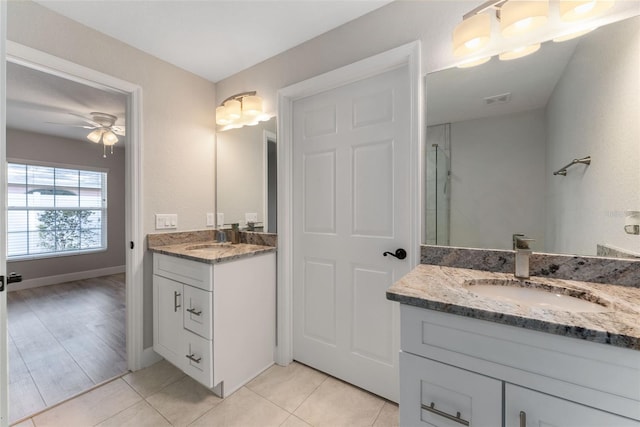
x: 213, y: 38
x: 34, y: 99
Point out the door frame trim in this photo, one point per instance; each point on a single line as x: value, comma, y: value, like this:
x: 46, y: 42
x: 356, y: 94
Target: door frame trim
x: 408, y: 54
x: 42, y: 61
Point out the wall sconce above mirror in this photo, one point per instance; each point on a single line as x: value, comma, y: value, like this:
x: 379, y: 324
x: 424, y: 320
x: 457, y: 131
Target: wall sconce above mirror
x: 242, y: 109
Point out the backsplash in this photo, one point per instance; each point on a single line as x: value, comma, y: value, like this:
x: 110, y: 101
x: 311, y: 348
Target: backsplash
x: 195, y: 236
x: 623, y: 272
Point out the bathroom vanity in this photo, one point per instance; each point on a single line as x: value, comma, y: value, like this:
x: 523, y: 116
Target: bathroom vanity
x: 214, y: 311
x: 473, y: 358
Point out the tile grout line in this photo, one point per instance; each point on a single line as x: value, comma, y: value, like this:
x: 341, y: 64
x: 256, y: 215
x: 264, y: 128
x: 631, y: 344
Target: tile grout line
x: 379, y: 412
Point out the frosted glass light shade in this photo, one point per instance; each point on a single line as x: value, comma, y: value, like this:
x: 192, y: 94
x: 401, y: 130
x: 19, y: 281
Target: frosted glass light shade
x: 95, y: 135
x: 234, y: 109
x: 472, y: 34
x: 519, y: 53
x: 221, y: 116
x: 474, y: 62
x: 109, y: 138
x: 519, y: 16
x: 573, y: 35
x: 252, y: 105
x: 577, y: 10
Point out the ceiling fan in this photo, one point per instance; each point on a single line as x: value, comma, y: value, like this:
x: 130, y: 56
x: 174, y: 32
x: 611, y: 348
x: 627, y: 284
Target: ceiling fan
x: 103, y: 128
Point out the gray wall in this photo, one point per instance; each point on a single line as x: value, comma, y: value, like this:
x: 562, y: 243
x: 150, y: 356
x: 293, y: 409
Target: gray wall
x: 44, y: 148
x: 178, y: 119
x: 603, y: 122
x: 498, y: 180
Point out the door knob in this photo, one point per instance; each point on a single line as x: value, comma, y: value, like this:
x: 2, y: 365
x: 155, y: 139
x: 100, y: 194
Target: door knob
x: 400, y: 253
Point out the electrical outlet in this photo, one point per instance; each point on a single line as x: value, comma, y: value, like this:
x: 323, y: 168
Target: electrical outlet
x: 210, y: 220
x: 220, y: 219
x: 166, y: 221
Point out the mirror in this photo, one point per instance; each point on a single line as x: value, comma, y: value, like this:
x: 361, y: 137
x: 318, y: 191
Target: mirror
x: 496, y: 134
x: 246, y: 177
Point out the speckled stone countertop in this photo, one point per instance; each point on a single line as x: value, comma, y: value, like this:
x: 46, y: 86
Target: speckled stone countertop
x: 447, y: 289
x: 212, y: 253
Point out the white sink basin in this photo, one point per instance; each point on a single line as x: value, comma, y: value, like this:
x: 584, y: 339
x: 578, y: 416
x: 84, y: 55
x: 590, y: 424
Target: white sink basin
x: 533, y: 294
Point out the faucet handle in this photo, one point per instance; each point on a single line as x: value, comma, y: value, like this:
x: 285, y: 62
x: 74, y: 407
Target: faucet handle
x: 520, y: 241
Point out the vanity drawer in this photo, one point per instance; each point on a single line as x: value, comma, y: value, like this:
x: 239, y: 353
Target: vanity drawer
x: 424, y: 381
x: 186, y: 271
x: 198, y: 358
x: 198, y: 311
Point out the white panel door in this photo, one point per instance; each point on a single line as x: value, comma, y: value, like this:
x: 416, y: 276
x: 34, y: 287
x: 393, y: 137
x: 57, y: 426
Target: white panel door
x: 351, y: 148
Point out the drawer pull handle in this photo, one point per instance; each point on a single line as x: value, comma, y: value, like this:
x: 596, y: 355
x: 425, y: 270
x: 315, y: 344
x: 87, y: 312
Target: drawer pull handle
x: 433, y: 410
x: 194, y: 311
x: 176, y: 306
x: 193, y: 358
x: 523, y: 419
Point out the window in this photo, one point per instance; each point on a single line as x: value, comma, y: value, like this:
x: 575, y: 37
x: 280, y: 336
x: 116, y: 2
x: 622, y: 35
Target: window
x: 55, y: 210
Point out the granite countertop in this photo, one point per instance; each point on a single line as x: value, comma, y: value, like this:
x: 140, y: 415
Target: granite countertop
x: 212, y: 252
x: 446, y: 289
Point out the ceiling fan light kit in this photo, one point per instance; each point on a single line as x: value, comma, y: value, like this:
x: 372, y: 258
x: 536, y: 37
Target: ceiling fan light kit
x: 521, y: 22
x: 104, y: 130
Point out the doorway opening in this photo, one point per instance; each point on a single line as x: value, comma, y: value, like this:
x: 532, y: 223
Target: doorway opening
x: 85, y: 275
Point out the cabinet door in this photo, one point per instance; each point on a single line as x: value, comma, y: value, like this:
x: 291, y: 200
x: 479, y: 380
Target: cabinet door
x: 435, y: 394
x: 528, y: 408
x: 167, y: 320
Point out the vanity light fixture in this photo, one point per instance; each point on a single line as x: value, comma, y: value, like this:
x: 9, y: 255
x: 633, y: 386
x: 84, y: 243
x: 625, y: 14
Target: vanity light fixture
x: 242, y: 109
x: 571, y: 10
x: 519, y: 52
x: 519, y: 17
x: 572, y: 35
x: 474, y: 62
x: 472, y: 34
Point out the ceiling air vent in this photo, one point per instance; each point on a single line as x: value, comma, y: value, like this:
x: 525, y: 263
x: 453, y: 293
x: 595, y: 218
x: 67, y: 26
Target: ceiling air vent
x: 498, y: 99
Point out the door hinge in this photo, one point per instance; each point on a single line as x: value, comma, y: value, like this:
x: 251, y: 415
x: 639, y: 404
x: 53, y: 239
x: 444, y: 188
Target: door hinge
x: 1, y: 283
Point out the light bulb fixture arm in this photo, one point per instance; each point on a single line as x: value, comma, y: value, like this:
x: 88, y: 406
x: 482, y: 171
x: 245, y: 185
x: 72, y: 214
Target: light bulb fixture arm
x: 491, y: 4
x: 239, y: 96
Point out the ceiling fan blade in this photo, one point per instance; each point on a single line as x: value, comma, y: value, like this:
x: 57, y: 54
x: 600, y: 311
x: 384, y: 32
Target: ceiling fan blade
x: 118, y: 130
x: 91, y: 122
x: 71, y: 126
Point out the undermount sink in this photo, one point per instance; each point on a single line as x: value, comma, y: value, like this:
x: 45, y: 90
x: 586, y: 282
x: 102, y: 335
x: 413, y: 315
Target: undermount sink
x: 204, y: 246
x: 537, y: 295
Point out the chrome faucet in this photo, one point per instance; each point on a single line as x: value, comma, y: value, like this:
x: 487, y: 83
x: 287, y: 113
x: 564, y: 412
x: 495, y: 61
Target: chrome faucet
x: 523, y: 251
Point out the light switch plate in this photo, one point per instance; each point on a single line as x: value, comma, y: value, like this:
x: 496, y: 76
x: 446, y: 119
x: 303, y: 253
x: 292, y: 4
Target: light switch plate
x: 220, y: 219
x: 166, y: 221
x: 210, y: 220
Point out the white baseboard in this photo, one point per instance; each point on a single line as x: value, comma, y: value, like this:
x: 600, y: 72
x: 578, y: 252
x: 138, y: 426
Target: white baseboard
x: 149, y: 357
x: 63, y: 278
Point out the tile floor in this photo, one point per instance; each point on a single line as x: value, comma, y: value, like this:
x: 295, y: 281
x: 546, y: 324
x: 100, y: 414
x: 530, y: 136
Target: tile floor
x: 161, y: 395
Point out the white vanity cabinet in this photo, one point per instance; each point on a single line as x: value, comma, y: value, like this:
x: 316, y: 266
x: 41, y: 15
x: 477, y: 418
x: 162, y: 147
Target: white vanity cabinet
x: 484, y: 374
x: 216, y: 322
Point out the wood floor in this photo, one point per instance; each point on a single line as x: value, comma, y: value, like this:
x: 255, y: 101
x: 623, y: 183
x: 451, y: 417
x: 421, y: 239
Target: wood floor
x: 64, y: 339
